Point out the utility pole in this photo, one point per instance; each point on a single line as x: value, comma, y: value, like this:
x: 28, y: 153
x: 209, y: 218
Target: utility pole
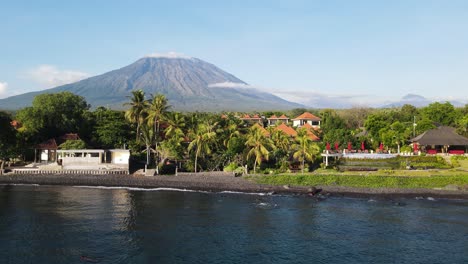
x: 414, y: 126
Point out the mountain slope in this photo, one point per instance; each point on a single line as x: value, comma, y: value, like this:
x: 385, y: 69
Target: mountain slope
x: 190, y: 84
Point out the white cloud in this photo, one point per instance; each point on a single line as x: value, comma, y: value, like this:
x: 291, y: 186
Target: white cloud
x: 321, y: 100
x: 231, y: 85
x: 168, y: 55
x: 3, y: 89
x: 50, y: 76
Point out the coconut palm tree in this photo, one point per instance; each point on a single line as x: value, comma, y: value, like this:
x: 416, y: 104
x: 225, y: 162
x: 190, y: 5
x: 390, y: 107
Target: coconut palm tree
x: 157, y: 110
x: 305, y: 148
x: 259, y: 145
x: 203, y: 137
x: 156, y: 113
x: 176, y: 124
x: 137, y: 105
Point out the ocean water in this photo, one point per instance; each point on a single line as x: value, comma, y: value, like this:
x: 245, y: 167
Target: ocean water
x: 50, y: 224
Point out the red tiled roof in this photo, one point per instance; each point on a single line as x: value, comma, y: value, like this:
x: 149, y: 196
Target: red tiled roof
x: 48, y: 144
x: 265, y: 132
x: 273, y: 117
x: 255, y: 116
x: 283, y: 117
x: 310, y: 133
x: 308, y: 116
x: 16, y: 124
x: 223, y: 116
x: 288, y: 130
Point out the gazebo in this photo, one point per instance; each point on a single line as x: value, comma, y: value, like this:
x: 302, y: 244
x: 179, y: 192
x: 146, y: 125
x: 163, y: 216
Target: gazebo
x: 442, y: 139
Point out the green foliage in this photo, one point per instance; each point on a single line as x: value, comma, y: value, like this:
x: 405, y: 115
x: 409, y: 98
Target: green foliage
x: 442, y: 113
x: 7, y: 139
x: 52, y: 115
x: 258, y: 145
x: 371, y: 181
x: 111, y: 129
x: 73, y: 144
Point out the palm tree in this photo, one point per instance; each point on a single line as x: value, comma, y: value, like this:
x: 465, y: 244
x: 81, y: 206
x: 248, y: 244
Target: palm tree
x: 176, y: 124
x: 137, y: 105
x: 305, y: 148
x: 148, y: 137
x: 258, y: 145
x: 203, y: 136
x: 157, y: 111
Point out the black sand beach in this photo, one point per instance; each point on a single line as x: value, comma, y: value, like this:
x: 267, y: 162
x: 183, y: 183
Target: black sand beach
x: 218, y: 182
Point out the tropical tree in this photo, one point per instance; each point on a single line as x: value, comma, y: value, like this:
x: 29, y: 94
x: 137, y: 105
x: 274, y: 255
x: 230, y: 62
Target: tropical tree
x: 7, y: 139
x: 305, y: 148
x: 52, y: 115
x: 135, y: 114
x: 73, y: 144
x: 258, y: 145
x: 203, y: 138
x: 157, y: 110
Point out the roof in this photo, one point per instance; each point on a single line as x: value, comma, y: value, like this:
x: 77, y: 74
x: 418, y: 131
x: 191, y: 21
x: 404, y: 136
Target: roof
x: 275, y: 117
x: 311, y: 134
x: 286, y: 129
x: 48, y: 144
x: 442, y: 135
x: 15, y: 124
x: 308, y: 116
x: 246, y: 116
x: 68, y: 136
x: 264, y: 131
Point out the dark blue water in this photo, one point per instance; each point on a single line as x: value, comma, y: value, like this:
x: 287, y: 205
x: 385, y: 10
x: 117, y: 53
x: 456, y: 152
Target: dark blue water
x: 40, y: 224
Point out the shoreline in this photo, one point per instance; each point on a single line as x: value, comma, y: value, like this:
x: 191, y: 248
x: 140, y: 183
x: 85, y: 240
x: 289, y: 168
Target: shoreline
x: 221, y: 182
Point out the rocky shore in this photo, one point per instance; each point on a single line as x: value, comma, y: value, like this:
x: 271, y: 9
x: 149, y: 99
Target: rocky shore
x: 218, y: 182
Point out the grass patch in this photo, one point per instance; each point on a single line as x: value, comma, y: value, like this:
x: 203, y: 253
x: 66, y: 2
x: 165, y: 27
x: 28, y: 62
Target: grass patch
x: 368, y: 180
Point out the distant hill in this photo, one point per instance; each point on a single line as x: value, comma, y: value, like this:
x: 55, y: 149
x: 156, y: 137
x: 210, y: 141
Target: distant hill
x: 190, y: 84
x: 417, y: 101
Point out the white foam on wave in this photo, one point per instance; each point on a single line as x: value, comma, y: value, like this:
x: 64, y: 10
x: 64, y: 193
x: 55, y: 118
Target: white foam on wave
x: 21, y: 184
x: 233, y: 192
x: 137, y: 189
x: 163, y: 189
x: 430, y: 199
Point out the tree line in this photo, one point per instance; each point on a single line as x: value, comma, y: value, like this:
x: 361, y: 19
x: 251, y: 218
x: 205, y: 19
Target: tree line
x: 158, y: 136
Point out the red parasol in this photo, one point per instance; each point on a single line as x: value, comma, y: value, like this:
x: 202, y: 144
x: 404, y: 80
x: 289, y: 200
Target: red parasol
x: 415, y: 147
x: 337, y: 146
x: 349, y: 146
x: 362, y: 146
x: 328, y: 146
x: 381, y: 146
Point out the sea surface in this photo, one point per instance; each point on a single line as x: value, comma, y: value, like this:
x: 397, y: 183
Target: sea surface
x: 50, y: 224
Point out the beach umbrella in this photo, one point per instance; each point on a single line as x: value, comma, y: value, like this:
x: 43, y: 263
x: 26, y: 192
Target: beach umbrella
x: 362, y: 146
x: 381, y: 146
x: 328, y: 146
x: 415, y: 147
x: 349, y: 146
x: 337, y: 146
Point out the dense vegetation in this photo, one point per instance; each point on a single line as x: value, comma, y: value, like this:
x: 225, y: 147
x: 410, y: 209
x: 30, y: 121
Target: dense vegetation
x: 158, y: 136
x: 367, y: 181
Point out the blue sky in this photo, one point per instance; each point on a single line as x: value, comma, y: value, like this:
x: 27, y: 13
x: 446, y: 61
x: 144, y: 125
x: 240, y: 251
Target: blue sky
x: 358, y: 52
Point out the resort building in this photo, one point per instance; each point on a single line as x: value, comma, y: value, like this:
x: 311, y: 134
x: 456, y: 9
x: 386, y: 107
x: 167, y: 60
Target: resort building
x: 94, y: 159
x: 273, y: 120
x: 252, y: 119
x: 305, y: 118
x: 442, y: 139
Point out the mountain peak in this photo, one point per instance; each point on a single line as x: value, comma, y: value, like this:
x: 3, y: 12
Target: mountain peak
x: 413, y: 97
x: 168, y: 55
x: 190, y: 84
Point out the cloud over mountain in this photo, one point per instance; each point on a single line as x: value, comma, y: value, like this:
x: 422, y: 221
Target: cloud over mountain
x: 3, y: 89
x: 50, y: 76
